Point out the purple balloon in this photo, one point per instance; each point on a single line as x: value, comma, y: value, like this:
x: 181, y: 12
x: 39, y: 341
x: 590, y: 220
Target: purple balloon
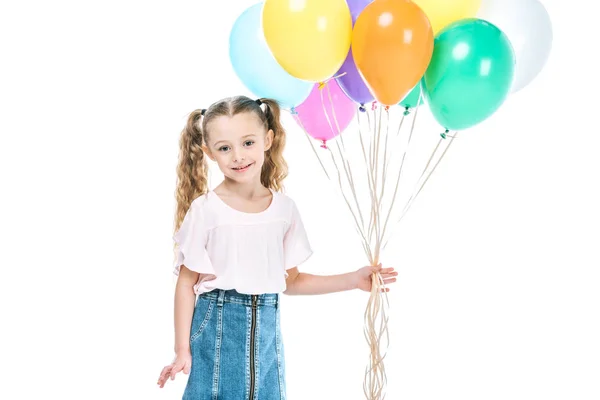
x: 352, y: 83
x: 356, y: 7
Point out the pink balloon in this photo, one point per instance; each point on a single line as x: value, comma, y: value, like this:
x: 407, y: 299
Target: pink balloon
x: 326, y: 112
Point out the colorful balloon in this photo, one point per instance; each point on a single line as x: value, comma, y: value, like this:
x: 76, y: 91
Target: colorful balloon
x: 254, y: 64
x: 356, y: 7
x: 351, y: 82
x: 470, y: 73
x: 529, y: 29
x: 309, y: 38
x: 392, y: 43
x: 326, y: 112
x: 441, y: 13
x: 414, y: 98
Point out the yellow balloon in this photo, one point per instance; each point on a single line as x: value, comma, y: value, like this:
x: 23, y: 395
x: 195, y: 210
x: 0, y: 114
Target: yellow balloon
x: 442, y: 13
x: 310, y: 39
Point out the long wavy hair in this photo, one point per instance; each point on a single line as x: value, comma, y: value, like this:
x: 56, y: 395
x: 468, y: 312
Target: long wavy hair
x: 192, y: 168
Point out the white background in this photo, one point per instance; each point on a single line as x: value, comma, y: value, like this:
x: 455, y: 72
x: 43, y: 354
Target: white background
x: 497, y: 295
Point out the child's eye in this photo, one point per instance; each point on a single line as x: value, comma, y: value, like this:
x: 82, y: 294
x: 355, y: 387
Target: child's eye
x: 248, y: 143
x: 224, y: 148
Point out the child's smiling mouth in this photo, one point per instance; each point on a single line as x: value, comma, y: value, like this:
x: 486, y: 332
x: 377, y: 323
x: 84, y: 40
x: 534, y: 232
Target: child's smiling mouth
x: 243, y: 167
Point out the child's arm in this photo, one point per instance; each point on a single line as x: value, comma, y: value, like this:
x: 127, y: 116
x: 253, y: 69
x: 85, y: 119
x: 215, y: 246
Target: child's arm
x: 185, y: 301
x: 303, y: 283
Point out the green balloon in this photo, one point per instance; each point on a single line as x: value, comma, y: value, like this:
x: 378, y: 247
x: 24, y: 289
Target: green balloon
x: 414, y: 98
x: 470, y: 73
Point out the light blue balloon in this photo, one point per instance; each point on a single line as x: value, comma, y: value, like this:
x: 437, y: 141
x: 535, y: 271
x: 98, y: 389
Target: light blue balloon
x: 256, y: 67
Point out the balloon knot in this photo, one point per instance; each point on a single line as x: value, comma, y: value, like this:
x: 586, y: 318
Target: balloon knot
x: 293, y: 111
x: 374, y: 106
x: 321, y: 85
x: 362, y: 108
x: 324, y: 145
x: 387, y: 108
x: 406, y: 111
x: 445, y: 134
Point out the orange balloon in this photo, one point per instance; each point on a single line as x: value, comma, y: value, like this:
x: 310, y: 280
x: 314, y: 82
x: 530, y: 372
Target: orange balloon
x: 392, y: 44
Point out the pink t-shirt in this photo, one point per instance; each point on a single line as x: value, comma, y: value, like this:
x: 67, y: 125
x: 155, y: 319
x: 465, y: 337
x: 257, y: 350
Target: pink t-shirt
x: 248, y: 252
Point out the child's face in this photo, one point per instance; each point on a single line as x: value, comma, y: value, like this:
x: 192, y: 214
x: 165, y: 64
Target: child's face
x: 238, y: 145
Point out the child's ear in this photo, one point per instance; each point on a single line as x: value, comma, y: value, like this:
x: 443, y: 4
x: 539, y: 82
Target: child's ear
x: 206, y: 151
x: 269, y: 139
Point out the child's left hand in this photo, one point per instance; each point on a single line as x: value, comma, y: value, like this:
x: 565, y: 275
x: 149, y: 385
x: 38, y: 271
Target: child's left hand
x: 364, y: 281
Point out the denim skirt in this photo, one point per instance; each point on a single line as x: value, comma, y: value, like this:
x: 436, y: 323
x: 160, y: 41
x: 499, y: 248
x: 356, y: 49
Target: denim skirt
x: 237, y: 349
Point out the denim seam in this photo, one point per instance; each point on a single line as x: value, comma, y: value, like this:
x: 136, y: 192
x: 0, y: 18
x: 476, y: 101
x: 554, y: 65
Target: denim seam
x: 249, y: 303
x: 262, y: 302
x: 204, y: 322
x: 217, y: 353
x: 278, y: 349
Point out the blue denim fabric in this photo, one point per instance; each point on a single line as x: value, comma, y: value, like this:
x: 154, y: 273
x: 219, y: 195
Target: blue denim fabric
x: 226, y: 327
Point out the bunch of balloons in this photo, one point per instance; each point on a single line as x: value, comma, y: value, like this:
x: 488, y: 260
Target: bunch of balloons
x: 464, y: 57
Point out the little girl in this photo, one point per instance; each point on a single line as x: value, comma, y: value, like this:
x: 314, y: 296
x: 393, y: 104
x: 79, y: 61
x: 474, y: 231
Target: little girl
x: 238, y: 247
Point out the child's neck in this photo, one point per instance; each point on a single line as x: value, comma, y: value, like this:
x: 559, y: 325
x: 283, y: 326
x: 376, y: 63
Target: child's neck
x: 248, y: 190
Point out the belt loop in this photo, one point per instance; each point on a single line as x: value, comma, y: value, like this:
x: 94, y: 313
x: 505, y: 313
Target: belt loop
x: 277, y: 300
x: 221, y: 298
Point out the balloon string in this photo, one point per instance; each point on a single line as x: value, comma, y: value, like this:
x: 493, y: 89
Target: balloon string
x: 434, y: 167
x: 412, y: 128
x: 413, y: 197
x: 299, y: 121
x: 376, y: 313
x: 360, y: 230
x: 357, y: 225
x: 344, y: 157
x: 333, y: 114
x: 383, y: 177
x: 335, y: 77
x: 373, y: 146
x: 386, y: 160
x: 385, y: 173
x: 375, y: 377
x: 445, y: 135
x: 321, y: 86
x: 374, y: 172
x: 340, y: 137
x: 367, y: 161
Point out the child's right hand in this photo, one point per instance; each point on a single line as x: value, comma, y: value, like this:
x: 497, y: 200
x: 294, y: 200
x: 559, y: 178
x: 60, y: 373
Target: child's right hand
x: 182, y: 362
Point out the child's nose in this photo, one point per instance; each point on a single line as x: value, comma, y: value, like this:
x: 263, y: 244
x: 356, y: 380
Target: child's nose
x: 238, y: 154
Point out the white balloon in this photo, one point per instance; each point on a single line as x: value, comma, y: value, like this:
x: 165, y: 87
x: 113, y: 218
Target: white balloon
x: 527, y: 25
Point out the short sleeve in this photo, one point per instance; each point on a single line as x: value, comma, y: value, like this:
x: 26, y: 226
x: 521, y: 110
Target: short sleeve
x: 296, y: 246
x: 191, y: 239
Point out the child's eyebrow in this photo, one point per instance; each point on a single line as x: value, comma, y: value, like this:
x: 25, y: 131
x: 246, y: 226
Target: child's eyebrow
x: 243, y: 137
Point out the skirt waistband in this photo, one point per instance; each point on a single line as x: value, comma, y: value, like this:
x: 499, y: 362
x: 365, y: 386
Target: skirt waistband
x: 232, y: 296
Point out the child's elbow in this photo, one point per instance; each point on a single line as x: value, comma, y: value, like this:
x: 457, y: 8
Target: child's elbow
x: 290, y: 281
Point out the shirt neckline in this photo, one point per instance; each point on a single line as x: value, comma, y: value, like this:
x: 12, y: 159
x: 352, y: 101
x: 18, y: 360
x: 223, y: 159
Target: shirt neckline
x: 220, y: 200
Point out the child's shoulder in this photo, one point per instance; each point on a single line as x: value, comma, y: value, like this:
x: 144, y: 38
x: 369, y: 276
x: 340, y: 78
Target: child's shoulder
x: 199, y: 202
x: 283, y: 197
x: 286, y: 201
